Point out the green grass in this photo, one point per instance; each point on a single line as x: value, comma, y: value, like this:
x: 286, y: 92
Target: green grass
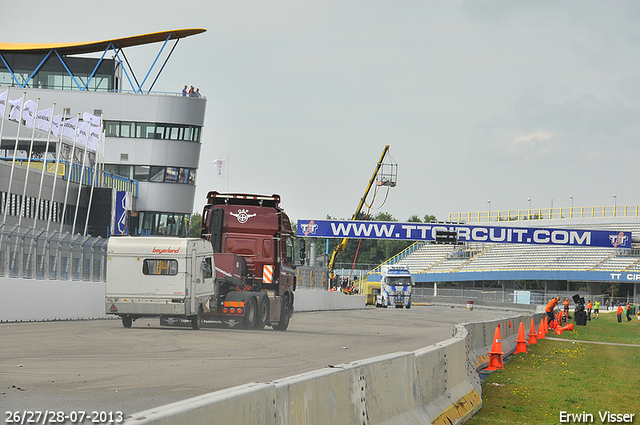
x: 570, y: 376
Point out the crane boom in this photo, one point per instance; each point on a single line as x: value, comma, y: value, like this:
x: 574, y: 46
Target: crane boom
x: 342, y: 245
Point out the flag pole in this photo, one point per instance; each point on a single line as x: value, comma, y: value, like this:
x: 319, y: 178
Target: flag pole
x: 4, y: 113
x: 57, y: 164
x: 44, y: 165
x: 84, y: 159
x: 26, y: 175
x: 13, y: 163
x: 66, y: 192
x: 93, y: 179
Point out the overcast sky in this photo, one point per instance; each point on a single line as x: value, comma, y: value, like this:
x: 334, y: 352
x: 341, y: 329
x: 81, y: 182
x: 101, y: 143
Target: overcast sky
x: 479, y: 100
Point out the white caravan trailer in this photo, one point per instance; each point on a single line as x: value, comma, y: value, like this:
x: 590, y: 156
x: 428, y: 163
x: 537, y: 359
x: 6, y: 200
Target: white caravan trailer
x: 159, y: 276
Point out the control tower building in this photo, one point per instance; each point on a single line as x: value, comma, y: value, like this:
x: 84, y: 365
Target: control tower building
x: 146, y: 174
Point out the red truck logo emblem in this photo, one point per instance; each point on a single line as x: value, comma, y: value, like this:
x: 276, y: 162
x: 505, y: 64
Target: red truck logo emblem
x: 242, y: 216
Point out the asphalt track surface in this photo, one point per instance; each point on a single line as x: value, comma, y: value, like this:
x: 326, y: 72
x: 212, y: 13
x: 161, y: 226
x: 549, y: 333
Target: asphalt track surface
x: 98, y: 365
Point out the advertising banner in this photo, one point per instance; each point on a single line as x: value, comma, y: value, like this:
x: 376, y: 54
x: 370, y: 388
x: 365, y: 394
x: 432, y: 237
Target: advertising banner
x: 122, y: 204
x: 353, y: 229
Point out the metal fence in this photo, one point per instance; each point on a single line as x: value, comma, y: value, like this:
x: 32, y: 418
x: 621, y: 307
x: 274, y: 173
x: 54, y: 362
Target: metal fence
x: 37, y: 254
x: 311, y: 277
x: 514, y: 296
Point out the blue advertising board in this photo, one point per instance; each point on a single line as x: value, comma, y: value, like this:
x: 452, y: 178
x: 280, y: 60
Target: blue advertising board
x: 354, y: 229
x: 122, y: 208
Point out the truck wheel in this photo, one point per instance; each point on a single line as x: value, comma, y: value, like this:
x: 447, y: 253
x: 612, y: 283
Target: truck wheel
x: 285, y: 315
x: 127, y: 321
x: 196, y: 321
x: 408, y: 306
x: 263, y: 313
x: 250, y: 313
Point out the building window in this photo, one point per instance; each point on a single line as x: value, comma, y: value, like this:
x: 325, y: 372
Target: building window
x: 141, y: 173
x: 171, y: 175
x: 145, y: 131
x: 157, y: 174
x: 152, y: 223
x: 127, y: 129
x: 189, y: 133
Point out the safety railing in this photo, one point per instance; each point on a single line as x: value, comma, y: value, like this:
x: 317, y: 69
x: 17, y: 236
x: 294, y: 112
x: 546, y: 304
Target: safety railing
x: 74, y: 172
x: 37, y: 254
x: 546, y: 214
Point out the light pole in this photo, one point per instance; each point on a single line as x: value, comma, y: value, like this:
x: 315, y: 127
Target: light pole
x: 571, y: 212
x: 489, y: 202
x: 615, y: 204
x: 529, y: 199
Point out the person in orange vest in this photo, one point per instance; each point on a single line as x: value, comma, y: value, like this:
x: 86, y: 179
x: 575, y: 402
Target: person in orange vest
x: 566, y: 307
x: 589, y: 306
x: 620, y: 310
x: 551, y: 305
x: 628, y: 312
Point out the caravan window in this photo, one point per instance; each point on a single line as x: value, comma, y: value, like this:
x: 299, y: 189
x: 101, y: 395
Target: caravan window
x: 159, y: 267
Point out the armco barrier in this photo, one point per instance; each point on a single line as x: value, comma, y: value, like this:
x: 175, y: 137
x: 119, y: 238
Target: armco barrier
x: 438, y: 384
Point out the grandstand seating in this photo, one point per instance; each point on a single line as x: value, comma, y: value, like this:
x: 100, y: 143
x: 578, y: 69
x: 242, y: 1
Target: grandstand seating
x: 438, y: 258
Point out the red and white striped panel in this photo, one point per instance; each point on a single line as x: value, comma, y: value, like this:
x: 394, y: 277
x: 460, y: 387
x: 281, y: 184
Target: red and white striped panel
x: 267, y: 274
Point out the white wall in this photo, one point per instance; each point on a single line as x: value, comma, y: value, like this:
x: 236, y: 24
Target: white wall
x: 24, y: 300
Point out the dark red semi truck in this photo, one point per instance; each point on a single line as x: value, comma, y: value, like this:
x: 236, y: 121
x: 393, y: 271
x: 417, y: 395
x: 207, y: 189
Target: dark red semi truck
x: 254, y: 255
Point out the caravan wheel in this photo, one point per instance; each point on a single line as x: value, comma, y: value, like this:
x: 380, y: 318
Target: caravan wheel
x: 196, y: 321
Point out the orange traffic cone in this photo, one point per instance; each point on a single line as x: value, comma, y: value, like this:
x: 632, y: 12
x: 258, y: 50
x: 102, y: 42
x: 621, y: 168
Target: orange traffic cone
x: 546, y: 325
x: 495, y: 360
x: 521, y: 346
x: 541, y: 330
x: 532, y: 333
x: 568, y: 327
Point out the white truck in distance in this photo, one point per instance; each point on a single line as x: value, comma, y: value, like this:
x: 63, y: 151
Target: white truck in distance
x: 396, y: 287
x: 159, y: 276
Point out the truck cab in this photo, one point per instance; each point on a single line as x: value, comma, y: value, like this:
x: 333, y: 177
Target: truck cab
x: 396, y: 287
x: 254, y: 229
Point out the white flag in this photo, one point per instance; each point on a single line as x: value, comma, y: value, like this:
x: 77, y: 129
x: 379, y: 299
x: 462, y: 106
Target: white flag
x: 87, y: 117
x: 3, y: 102
x: 43, y: 119
x: 29, y: 113
x: 69, y: 128
x: 95, y: 130
x: 83, y: 134
x: 219, y: 165
x: 16, y: 112
x: 56, y: 125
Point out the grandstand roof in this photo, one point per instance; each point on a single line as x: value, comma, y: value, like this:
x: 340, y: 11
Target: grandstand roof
x: 77, y: 48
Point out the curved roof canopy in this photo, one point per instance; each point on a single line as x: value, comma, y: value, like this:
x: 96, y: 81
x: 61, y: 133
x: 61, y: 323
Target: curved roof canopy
x: 117, y: 44
x: 99, y: 46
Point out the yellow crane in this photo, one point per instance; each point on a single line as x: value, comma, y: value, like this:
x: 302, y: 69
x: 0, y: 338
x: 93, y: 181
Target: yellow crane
x: 387, y: 176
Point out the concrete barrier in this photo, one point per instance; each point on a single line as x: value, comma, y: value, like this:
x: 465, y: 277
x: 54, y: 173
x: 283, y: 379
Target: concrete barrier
x: 438, y: 384
x: 25, y: 300
x: 310, y: 300
x: 252, y: 403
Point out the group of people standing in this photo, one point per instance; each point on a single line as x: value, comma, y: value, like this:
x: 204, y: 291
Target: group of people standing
x: 190, y: 92
x: 622, y: 310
